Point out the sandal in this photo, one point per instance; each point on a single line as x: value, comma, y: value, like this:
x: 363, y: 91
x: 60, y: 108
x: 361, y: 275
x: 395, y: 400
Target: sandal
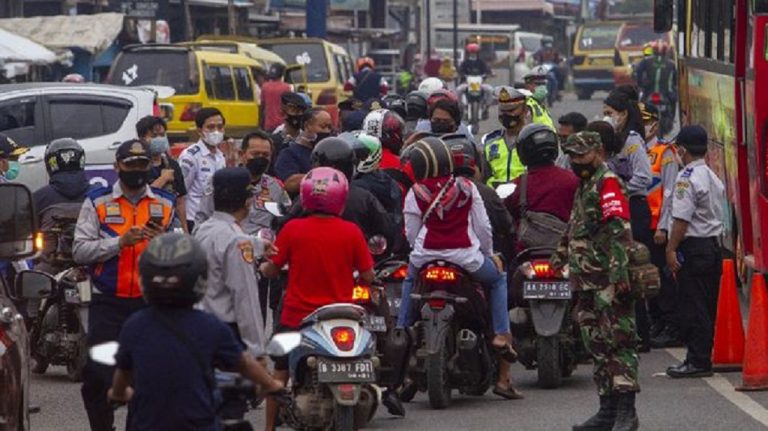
x: 506, y: 351
x: 509, y: 393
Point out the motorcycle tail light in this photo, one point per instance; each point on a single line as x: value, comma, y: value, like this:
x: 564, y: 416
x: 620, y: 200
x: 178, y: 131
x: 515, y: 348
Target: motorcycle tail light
x: 190, y: 111
x: 400, y: 273
x: 39, y: 241
x: 436, y: 303
x: 343, y: 337
x: 361, y: 293
x: 537, y: 269
x: 347, y: 391
x: 656, y: 98
x: 441, y: 274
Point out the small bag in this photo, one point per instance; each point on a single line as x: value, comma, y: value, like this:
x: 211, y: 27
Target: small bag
x: 537, y: 229
x: 644, y: 277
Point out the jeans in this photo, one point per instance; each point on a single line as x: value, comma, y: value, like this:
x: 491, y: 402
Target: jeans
x: 488, y: 275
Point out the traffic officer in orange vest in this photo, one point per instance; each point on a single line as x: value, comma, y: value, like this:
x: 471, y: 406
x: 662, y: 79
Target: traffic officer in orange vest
x: 664, y: 168
x: 113, y: 228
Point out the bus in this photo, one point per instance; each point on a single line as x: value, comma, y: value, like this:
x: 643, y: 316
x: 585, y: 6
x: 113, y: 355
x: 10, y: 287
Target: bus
x: 723, y: 67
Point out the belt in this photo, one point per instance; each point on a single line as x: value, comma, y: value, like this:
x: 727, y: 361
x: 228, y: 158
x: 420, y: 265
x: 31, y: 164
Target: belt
x: 692, y: 240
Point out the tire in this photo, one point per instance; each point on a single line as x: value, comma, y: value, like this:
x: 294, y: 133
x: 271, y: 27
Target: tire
x: 583, y: 94
x: 438, y: 391
x: 474, y: 115
x: 75, y: 366
x: 344, y: 418
x: 39, y: 365
x: 548, y: 362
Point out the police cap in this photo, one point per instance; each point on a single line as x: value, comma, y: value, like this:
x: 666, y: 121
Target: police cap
x: 9, y: 149
x: 132, y: 149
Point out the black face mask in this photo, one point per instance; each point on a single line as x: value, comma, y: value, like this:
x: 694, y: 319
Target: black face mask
x: 257, y: 165
x: 134, y: 179
x: 583, y: 170
x: 442, y: 127
x: 293, y: 121
x: 321, y: 136
x: 509, y: 121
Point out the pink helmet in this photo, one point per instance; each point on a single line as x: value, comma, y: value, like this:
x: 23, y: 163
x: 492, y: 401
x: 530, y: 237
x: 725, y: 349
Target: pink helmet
x: 324, y: 190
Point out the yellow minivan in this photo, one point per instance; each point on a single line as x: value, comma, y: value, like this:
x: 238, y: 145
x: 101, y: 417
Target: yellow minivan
x: 200, y: 79
x: 326, y: 67
x: 593, y: 51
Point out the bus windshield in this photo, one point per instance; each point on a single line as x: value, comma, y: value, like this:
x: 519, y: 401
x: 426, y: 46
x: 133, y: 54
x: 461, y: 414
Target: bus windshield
x: 595, y: 37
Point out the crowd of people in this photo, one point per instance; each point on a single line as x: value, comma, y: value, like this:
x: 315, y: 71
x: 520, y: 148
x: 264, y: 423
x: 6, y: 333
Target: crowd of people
x: 402, y: 167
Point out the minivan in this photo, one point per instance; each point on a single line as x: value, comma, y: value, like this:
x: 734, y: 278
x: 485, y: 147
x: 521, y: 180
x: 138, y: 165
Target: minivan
x: 593, y: 57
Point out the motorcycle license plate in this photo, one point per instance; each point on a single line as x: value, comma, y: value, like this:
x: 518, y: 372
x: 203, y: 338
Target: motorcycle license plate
x: 355, y: 371
x: 375, y: 323
x: 474, y: 87
x: 547, y: 290
x: 71, y: 296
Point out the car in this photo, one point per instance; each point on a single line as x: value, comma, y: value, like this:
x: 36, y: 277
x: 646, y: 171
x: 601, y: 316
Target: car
x: 593, y: 57
x: 98, y: 116
x: 17, y: 226
x: 524, y: 46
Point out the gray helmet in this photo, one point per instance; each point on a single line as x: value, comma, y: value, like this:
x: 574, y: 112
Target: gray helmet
x: 173, y: 271
x: 537, y: 145
x: 64, y: 154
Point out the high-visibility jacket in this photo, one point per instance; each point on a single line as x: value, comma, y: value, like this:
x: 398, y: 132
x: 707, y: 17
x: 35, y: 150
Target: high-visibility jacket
x: 656, y: 190
x: 505, y: 164
x: 539, y: 113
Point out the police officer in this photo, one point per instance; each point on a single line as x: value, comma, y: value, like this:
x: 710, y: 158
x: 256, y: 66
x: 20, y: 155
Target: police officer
x: 536, y: 83
x: 9, y: 156
x: 693, y: 251
x: 594, y: 250
x: 113, y: 228
x: 499, y: 146
x: 232, y: 293
x: 200, y: 160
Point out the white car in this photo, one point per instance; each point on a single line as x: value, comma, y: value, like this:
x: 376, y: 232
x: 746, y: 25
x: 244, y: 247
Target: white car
x: 100, y: 117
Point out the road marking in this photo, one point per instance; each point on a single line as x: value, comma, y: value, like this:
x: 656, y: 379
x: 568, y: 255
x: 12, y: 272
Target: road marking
x: 722, y: 386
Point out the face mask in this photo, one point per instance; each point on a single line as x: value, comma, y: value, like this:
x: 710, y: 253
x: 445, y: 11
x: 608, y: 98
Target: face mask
x: 214, y: 138
x: 13, y: 170
x: 133, y: 179
x: 158, y: 145
x: 321, y: 136
x: 293, y: 121
x: 583, y: 170
x: 540, y: 93
x: 441, y: 127
x: 610, y: 120
x: 509, y: 121
x: 473, y: 57
x: 257, y: 165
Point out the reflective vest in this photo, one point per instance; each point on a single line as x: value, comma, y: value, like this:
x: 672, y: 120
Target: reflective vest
x: 119, y: 276
x: 656, y: 190
x: 539, y: 114
x: 505, y: 164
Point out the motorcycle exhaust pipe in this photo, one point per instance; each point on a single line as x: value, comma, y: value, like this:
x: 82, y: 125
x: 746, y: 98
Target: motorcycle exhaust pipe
x: 468, y: 350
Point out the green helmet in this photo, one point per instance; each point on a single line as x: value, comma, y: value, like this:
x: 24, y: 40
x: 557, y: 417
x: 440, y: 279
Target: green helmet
x: 368, y: 151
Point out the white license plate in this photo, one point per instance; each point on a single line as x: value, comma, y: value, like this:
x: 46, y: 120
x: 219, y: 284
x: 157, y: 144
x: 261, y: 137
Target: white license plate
x: 375, y: 323
x: 547, y: 290
x: 358, y: 370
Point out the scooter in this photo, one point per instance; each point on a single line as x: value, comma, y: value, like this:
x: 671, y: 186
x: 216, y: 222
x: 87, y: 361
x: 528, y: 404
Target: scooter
x: 333, y: 365
x: 473, y: 101
x: 454, y: 349
x: 547, y: 339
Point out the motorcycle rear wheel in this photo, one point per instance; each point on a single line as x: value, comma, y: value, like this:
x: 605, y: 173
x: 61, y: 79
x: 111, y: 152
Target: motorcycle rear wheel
x: 40, y: 365
x: 344, y: 418
x: 548, y: 362
x: 75, y: 366
x: 438, y: 390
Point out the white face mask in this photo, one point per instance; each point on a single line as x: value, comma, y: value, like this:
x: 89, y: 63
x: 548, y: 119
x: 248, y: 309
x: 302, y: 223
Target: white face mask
x: 610, y: 120
x: 214, y: 138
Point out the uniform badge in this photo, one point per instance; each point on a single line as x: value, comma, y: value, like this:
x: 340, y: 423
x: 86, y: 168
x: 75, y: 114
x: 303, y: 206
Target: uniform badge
x: 113, y: 209
x: 114, y: 220
x: 494, y: 152
x: 246, y: 250
x: 155, y: 210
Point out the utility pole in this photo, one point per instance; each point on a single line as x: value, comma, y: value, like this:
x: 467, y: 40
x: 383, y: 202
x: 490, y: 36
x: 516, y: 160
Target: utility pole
x: 189, y: 33
x: 428, y: 28
x: 456, y: 34
x: 231, y: 17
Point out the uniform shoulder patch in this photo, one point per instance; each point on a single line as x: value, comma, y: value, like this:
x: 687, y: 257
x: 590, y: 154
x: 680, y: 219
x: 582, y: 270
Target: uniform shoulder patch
x: 491, y: 136
x: 633, y: 148
x: 98, y: 192
x: 687, y: 173
x: 246, y: 250
x: 613, y: 203
x: 194, y: 149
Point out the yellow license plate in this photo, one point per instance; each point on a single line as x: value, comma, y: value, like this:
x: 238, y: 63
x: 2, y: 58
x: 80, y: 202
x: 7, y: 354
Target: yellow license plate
x: 474, y: 87
x: 601, y: 61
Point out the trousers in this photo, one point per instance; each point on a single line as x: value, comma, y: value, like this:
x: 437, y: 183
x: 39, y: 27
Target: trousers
x: 640, y: 220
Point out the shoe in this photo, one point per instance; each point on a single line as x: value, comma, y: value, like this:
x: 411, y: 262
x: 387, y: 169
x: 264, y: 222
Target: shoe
x: 667, y: 338
x: 643, y: 347
x: 393, y: 404
x: 688, y: 370
x: 626, y: 415
x: 604, y: 419
x: 656, y: 329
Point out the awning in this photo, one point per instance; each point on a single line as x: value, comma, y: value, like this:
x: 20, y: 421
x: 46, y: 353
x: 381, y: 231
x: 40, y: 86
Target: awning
x: 519, y: 5
x: 93, y: 33
x: 220, y: 3
x: 14, y: 48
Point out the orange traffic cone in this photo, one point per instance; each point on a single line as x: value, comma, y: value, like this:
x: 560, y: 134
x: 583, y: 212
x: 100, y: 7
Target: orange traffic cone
x: 755, y: 375
x: 728, y: 350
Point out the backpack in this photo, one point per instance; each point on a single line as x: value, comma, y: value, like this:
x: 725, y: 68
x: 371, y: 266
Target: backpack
x: 644, y: 277
x: 537, y: 229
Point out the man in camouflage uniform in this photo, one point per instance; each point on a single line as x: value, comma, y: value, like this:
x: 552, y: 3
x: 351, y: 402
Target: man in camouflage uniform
x: 594, y: 248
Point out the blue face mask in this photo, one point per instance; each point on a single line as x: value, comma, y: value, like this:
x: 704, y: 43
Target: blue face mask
x: 158, y: 145
x: 13, y: 170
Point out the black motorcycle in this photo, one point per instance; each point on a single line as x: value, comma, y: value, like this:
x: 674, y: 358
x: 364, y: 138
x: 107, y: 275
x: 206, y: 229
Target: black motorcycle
x: 540, y: 314
x: 454, y: 349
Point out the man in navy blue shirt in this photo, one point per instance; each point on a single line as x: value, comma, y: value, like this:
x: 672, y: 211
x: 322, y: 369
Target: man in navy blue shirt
x: 168, y: 350
x: 294, y: 161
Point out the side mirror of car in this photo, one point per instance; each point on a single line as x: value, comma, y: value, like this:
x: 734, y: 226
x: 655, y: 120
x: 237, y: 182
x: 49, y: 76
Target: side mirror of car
x: 18, y: 222
x: 31, y: 284
x: 663, y: 11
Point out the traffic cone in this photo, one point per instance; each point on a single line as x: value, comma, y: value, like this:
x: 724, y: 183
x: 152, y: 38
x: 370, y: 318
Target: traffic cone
x: 728, y: 350
x: 755, y: 374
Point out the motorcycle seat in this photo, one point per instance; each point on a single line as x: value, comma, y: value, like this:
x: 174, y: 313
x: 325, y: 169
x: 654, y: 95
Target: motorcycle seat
x: 334, y: 311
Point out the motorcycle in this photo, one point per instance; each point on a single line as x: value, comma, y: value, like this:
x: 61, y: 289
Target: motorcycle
x: 454, y: 349
x: 666, y: 111
x: 473, y: 101
x: 333, y: 365
x: 58, y: 332
x: 540, y: 317
x: 553, y: 84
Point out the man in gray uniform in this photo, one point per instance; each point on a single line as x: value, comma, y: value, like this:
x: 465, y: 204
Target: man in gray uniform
x: 693, y: 251
x: 232, y: 293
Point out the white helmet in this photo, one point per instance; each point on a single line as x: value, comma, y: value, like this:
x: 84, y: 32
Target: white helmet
x: 431, y: 84
x: 538, y: 72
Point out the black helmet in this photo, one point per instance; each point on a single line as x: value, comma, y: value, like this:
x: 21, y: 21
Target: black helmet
x: 464, y: 154
x: 335, y: 153
x: 396, y: 104
x: 64, y: 154
x: 537, y: 145
x: 173, y: 270
x: 416, y: 103
x: 429, y: 157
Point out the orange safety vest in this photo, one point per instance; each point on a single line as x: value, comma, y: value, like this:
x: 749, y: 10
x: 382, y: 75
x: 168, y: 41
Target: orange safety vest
x: 656, y: 189
x: 119, y: 276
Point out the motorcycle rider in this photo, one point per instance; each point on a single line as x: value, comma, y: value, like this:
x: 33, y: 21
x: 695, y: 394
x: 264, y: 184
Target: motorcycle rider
x: 113, y: 228
x: 660, y: 75
x: 430, y: 85
x: 548, y: 54
x: 395, y: 103
x: 643, y: 67
x: 295, y: 161
x: 425, y: 125
x: 536, y: 83
x: 458, y: 230
x: 322, y: 250
x: 292, y: 107
x: 367, y: 83
x: 500, y: 146
x: 165, y: 376
x: 416, y: 108
x: 9, y: 158
x: 389, y: 128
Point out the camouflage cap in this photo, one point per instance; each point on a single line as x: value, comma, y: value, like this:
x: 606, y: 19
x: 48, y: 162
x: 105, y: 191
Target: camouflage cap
x: 582, y: 143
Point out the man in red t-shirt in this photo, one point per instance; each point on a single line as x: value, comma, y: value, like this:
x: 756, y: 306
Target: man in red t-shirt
x: 271, y: 93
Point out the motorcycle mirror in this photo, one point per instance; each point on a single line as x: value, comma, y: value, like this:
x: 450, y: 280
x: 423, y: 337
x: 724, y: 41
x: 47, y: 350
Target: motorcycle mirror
x: 505, y: 190
x: 32, y: 284
x: 377, y: 244
x: 266, y: 234
x: 104, y: 353
x: 283, y: 343
x: 273, y: 208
